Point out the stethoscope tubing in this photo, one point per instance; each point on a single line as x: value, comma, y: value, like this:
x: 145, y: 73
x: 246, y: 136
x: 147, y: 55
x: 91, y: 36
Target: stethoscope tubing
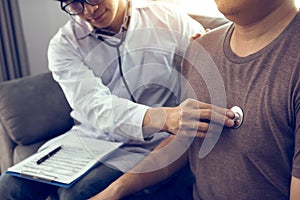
x: 117, y: 46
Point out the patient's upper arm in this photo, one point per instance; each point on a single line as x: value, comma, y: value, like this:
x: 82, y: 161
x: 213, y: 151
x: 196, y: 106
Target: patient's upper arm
x: 295, y: 189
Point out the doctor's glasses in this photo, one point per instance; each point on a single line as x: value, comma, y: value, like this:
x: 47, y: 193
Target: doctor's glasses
x: 76, y: 7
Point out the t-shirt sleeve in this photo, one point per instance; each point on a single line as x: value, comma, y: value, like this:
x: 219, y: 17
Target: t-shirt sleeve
x: 296, y: 160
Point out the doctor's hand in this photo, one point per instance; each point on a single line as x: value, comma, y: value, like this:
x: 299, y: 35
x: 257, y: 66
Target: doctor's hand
x: 190, y: 118
x: 197, y: 35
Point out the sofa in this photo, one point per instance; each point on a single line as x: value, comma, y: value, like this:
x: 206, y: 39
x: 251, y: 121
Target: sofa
x: 33, y: 109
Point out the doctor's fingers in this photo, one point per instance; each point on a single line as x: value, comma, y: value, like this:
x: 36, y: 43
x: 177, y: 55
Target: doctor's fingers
x: 192, y: 103
x: 192, y: 117
x: 197, y: 35
x: 193, y: 109
x: 200, y: 130
x: 193, y: 37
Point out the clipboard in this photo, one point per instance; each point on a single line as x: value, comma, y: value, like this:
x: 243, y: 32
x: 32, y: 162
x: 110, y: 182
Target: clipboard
x: 76, y: 157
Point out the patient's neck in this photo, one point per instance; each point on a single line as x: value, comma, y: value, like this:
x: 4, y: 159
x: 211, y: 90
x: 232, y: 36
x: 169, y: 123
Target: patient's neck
x: 249, y: 38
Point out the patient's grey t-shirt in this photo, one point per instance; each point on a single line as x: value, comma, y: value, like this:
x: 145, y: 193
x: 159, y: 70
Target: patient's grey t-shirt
x: 257, y: 160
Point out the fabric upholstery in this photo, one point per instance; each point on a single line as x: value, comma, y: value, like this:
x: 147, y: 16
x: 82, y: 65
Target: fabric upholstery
x: 21, y: 152
x: 33, y: 109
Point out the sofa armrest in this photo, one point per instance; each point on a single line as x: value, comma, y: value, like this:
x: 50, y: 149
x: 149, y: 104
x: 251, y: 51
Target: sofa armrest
x: 6, y: 150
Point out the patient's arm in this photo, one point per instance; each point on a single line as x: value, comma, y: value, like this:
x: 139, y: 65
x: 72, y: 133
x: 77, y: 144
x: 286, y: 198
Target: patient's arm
x: 150, y: 171
x: 295, y: 188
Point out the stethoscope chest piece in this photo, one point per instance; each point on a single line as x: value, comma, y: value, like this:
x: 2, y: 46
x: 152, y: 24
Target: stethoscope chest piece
x: 238, y: 116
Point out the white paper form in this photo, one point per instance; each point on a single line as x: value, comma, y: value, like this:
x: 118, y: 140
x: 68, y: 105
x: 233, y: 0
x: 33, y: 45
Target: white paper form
x: 76, y: 156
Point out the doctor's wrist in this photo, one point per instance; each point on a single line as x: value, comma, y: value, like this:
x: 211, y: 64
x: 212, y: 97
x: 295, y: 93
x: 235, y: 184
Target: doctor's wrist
x: 155, y: 120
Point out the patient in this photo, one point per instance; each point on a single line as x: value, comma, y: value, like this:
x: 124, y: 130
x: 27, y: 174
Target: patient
x: 117, y: 63
x: 256, y: 63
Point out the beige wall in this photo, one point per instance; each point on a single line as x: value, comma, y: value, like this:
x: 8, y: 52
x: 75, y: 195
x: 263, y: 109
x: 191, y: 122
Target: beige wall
x: 41, y: 20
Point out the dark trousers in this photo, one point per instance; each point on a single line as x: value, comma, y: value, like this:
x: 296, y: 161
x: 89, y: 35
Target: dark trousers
x: 12, y: 188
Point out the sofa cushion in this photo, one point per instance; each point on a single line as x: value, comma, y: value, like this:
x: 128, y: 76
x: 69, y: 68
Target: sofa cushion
x: 23, y: 151
x: 33, y: 109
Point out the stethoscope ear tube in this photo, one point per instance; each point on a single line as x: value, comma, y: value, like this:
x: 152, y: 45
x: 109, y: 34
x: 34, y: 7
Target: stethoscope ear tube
x: 122, y: 76
x: 117, y: 46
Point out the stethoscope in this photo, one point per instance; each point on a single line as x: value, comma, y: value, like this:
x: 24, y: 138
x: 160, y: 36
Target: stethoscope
x: 117, y: 45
